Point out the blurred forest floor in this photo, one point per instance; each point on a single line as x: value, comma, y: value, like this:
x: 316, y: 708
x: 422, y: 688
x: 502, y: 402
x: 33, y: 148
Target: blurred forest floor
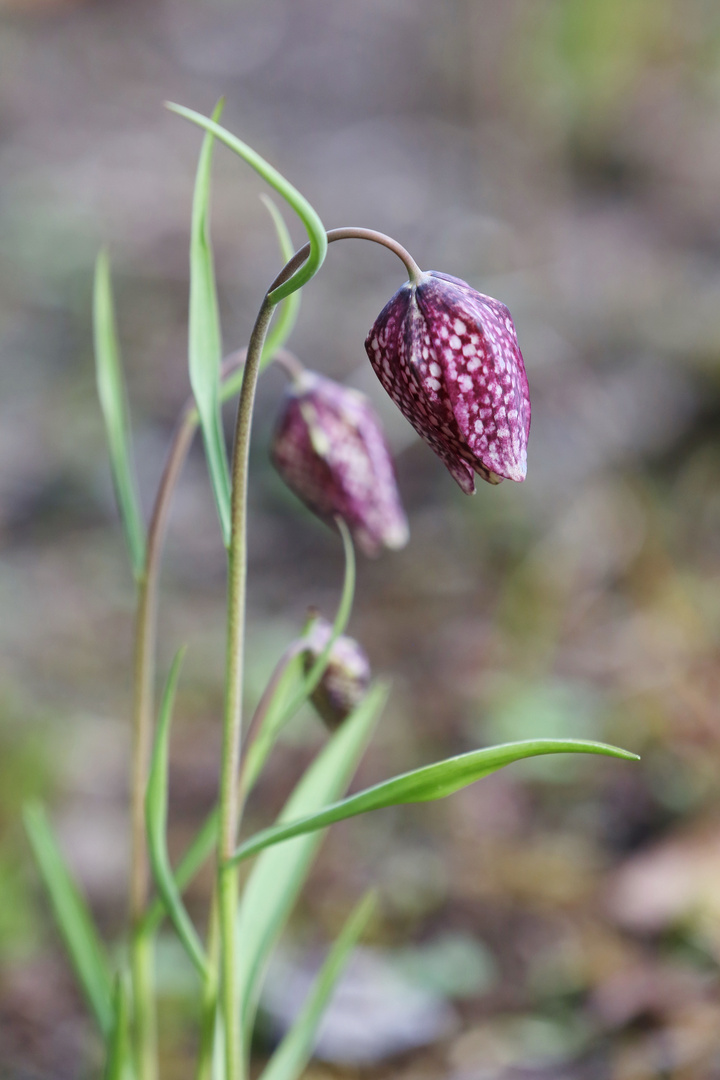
x: 560, y: 919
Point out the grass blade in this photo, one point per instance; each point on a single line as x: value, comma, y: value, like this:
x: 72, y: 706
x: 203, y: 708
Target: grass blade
x: 294, y: 1052
x: 310, y: 219
x: 199, y: 850
x: 113, y: 402
x: 204, y: 340
x: 118, y: 1065
x: 73, y: 919
x: 156, y: 822
x: 426, y: 784
x: 289, y: 310
x: 277, y: 877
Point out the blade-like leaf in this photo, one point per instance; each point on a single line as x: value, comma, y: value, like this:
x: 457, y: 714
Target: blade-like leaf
x: 277, y: 877
x: 74, y: 921
x: 308, y: 216
x: 113, y: 402
x: 118, y: 1065
x: 289, y: 309
x: 156, y: 822
x: 423, y: 785
x: 204, y: 342
x: 294, y: 1052
x: 201, y: 847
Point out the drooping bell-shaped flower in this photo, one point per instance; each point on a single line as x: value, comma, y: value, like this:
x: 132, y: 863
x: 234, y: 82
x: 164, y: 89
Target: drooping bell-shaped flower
x: 330, y: 450
x: 450, y: 360
x: 346, y: 678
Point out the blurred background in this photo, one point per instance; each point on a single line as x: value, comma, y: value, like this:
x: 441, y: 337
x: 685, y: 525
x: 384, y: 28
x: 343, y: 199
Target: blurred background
x: 560, y: 919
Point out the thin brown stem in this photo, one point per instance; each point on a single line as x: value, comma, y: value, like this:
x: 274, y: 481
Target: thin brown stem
x: 141, y: 960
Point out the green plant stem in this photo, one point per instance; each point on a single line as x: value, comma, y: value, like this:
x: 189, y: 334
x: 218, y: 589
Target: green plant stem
x: 232, y: 723
x: 237, y: 582
x: 141, y: 944
x: 208, y: 1021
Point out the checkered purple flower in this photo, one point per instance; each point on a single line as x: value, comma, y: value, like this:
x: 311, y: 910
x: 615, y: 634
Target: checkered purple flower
x: 346, y: 678
x: 330, y: 450
x: 449, y: 358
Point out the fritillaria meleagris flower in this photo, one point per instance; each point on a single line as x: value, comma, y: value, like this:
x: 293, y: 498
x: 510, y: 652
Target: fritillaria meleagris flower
x: 449, y: 358
x: 330, y: 450
x: 346, y: 678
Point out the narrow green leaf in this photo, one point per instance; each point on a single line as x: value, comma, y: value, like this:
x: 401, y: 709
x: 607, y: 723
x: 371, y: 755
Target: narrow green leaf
x: 73, y: 918
x: 200, y: 849
x: 284, y: 696
x: 113, y: 402
x: 310, y: 219
x: 204, y: 341
x: 156, y: 823
x: 277, y: 877
x: 426, y: 784
x: 118, y: 1065
x: 289, y: 309
x: 294, y: 1052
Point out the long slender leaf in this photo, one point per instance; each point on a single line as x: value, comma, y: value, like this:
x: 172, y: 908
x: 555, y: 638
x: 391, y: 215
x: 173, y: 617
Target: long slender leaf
x: 156, y: 823
x: 289, y: 309
x: 426, y: 784
x: 118, y: 1065
x: 113, y: 402
x: 277, y: 877
x: 294, y: 1052
x: 310, y: 219
x: 204, y: 341
x: 201, y: 847
x: 73, y: 918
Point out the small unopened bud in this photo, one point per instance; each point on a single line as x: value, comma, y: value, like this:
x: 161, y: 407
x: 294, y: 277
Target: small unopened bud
x: 450, y: 360
x: 346, y: 678
x: 330, y: 450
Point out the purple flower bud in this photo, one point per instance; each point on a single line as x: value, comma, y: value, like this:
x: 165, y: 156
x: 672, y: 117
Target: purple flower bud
x: 346, y: 678
x: 449, y: 358
x: 330, y: 450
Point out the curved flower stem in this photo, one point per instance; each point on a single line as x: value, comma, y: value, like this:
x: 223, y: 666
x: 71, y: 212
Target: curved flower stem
x: 232, y: 722
x: 351, y: 232
x: 237, y: 579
